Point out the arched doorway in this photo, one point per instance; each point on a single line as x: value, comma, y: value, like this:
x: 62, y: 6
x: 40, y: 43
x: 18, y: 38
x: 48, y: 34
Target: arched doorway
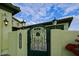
x: 38, y: 41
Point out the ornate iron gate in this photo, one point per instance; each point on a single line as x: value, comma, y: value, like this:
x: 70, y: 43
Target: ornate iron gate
x: 38, y: 41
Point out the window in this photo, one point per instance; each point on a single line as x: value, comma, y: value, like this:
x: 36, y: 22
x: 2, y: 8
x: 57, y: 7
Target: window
x: 20, y: 40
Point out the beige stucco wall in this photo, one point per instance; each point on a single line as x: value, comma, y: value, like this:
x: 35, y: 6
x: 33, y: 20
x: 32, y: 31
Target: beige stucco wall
x: 14, y: 43
x: 59, y: 39
x: 23, y: 51
x: 5, y: 29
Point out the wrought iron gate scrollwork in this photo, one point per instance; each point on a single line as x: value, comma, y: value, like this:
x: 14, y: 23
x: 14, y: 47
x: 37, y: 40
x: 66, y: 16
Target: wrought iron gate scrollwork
x: 38, y: 41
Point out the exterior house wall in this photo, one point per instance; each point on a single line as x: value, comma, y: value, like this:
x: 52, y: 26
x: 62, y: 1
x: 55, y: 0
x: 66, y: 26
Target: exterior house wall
x: 12, y: 43
x: 59, y: 39
x: 5, y: 29
x: 23, y: 50
x: 14, y: 49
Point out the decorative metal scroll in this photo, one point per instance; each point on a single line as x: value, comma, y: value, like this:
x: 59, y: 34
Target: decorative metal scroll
x: 38, y: 39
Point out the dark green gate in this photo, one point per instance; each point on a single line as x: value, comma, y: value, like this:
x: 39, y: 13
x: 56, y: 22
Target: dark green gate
x: 38, y: 41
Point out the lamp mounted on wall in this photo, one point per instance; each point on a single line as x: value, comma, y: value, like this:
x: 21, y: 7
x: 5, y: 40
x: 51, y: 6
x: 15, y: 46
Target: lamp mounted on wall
x: 5, y: 19
x: 6, y: 22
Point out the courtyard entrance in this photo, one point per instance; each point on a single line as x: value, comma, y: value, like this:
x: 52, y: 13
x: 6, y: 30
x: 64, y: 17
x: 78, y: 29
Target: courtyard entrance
x: 38, y: 41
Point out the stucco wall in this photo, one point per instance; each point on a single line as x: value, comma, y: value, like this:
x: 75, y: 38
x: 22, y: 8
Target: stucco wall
x: 23, y: 51
x: 59, y: 39
x: 5, y: 29
x: 14, y: 43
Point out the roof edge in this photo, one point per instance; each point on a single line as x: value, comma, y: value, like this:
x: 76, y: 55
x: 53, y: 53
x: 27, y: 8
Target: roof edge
x: 10, y: 7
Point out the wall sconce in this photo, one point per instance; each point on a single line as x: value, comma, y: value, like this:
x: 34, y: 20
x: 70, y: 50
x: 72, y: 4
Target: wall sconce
x: 6, y: 22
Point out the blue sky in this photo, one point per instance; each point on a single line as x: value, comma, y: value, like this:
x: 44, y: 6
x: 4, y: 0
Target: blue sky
x: 41, y: 12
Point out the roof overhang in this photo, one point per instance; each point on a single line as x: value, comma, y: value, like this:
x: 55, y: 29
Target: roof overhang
x: 59, y: 21
x: 65, y: 20
x: 10, y: 7
x: 16, y: 20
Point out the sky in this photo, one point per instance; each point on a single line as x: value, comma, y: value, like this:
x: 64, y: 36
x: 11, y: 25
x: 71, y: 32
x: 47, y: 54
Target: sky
x: 44, y: 12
